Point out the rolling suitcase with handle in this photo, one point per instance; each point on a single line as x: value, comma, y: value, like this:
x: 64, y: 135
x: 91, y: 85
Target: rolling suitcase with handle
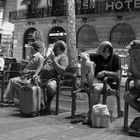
x: 30, y: 100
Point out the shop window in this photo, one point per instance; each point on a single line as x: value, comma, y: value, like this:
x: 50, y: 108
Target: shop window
x: 57, y: 33
x: 58, y: 7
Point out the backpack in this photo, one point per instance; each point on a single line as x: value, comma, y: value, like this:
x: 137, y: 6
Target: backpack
x: 134, y: 128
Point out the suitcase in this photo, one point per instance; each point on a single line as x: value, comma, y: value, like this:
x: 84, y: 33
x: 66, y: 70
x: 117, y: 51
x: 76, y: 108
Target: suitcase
x: 30, y: 100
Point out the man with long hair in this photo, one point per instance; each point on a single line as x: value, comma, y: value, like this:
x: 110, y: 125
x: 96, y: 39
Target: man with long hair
x: 107, y: 64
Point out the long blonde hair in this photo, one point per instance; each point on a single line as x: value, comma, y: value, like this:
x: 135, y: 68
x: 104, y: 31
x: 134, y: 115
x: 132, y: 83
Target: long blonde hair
x: 87, y: 69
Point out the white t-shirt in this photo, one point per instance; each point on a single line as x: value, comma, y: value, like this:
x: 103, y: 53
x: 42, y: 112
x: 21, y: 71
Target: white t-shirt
x: 2, y: 63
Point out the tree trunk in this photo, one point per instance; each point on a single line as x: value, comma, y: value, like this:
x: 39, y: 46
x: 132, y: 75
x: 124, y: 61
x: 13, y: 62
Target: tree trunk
x: 71, y: 33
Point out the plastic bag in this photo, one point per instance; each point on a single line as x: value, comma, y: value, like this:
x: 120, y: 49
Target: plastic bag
x: 100, y: 109
x: 100, y: 116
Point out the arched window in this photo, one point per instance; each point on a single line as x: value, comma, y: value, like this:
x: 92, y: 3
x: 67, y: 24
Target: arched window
x: 121, y: 35
x: 87, y: 37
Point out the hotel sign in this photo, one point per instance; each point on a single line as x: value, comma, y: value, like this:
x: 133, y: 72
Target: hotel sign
x: 119, y: 5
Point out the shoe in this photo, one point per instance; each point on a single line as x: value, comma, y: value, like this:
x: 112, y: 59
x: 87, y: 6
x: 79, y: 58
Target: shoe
x: 76, y: 120
x: 8, y: 102
x: 45, y: 112
x: 86, y: 122
x: 48, y: 111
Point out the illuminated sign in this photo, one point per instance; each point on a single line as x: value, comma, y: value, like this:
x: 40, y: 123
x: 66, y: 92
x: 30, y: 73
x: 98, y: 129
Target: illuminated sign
x: 123, y: 4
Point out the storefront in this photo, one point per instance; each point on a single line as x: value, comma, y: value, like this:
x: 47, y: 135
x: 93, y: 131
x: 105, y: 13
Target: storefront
x: 113, y: 20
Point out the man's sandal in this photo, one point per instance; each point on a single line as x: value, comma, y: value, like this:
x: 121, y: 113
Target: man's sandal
x: 86, y: 122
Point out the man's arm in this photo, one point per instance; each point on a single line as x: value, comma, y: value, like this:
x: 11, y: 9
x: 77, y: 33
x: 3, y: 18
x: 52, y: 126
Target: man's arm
x: 115, y: 71
x: 39, y: 61
x: 129, y: 71
x: 40, y: 67
x: 61, y: 64
x: 108, y: 73
x: 111, y: 73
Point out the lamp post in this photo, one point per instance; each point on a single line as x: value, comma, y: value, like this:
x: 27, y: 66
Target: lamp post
x: 71, y: 33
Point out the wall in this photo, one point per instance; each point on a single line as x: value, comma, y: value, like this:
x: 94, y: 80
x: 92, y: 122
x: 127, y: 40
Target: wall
x: 7, y: 28
x: 103, y: 24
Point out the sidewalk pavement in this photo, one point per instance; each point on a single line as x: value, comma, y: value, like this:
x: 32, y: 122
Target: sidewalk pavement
x: 51, y: 127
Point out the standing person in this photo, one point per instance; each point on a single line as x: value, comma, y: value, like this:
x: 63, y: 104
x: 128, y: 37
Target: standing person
x: 107, y: 64
x: 133, y: 95
x: 35, y: 63
x: 55, y: 64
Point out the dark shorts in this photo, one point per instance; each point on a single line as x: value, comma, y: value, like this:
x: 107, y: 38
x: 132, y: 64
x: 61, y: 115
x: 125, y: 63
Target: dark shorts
x: 134, y: 90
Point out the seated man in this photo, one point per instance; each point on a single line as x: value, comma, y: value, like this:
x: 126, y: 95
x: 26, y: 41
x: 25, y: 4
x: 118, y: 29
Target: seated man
x: 34, y: 65
x: 133, y: 95
x: 107, y: 64
x: 55, y: 64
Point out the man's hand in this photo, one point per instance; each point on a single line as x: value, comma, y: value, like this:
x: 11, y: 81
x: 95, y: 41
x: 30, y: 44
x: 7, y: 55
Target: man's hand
x: 52, y: 56
x: 26, y: 71
x: 101, y: 74
x: 129, y: 74
x: 35, y: 76
x: 83, y: 85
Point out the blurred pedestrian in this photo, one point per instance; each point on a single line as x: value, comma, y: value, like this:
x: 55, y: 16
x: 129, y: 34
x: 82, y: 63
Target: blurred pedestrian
x: 132, y: 97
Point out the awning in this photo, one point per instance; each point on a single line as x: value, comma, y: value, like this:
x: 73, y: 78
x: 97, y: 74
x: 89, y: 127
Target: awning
x: 25, y: 2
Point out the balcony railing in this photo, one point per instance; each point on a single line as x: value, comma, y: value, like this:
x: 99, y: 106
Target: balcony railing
x: 45, y: 12
x: 36, y: 13
x: 25, y: 14
x: 99, y: 7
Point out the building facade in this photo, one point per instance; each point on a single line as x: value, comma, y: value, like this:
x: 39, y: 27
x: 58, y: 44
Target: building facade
x: 6, y: 28
x: 96, y: 20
